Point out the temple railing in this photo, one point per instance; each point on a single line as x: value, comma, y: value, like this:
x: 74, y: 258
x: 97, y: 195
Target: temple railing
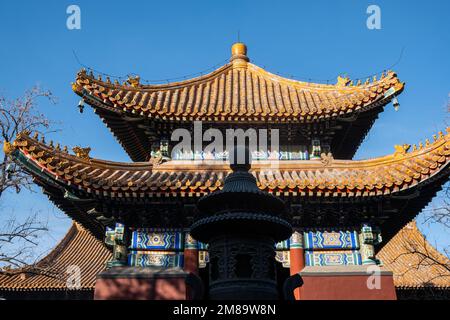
x: 224, y: 156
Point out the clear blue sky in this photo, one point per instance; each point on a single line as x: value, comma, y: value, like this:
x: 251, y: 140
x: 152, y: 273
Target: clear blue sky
x: 165, y: 39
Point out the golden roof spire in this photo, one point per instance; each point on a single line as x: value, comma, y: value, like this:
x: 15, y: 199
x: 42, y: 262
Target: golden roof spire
x: 239, y: 51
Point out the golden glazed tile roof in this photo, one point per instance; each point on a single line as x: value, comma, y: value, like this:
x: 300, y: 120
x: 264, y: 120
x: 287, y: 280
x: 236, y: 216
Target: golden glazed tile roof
x: 238, y: 90
x: 326, y: 178
x: 78, y: 248
x: 414, y: 262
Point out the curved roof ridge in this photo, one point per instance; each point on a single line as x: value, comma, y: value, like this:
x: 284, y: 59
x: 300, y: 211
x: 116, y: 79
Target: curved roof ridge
x: 131, y: 84
x: 402, y: 153
x: 434, y: 251
x: 325, y: 177
x: 78, y: 247
x: 237, y: 90
x: 50, y: 256
x: 83, y: 77
x: 57, y: 250
x: 310, y: 85
x: 23, y: 138
x: 411, y: 269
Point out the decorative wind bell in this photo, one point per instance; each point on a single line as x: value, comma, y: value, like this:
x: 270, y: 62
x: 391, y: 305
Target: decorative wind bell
x: 81, y: 106
x: 395, y: 103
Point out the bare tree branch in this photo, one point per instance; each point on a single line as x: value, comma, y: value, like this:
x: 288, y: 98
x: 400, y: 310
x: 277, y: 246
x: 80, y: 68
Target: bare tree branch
x: 434, y: 266
x: 19, y: 238
x: 16, y: 116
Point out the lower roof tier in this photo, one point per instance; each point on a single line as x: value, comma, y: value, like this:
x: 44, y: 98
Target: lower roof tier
x: 393, y: 188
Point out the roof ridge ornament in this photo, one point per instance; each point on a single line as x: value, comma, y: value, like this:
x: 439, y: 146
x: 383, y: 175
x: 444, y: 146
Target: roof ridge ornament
x: 82, y: 153
x: 326, y: 158
x: 134, y: 81
x: 401, y: 150
x: 8, y: 147
x: 343, y: 81
x: 239, y: 52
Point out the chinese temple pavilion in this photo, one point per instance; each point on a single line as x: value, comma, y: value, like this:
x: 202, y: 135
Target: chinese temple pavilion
x: 347, y: 215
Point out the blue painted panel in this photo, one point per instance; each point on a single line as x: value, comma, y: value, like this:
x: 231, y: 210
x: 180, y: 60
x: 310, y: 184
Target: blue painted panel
x: 332, y: 258
x: 155, y: 259
x: 148, y: 239
x: 331, y: 240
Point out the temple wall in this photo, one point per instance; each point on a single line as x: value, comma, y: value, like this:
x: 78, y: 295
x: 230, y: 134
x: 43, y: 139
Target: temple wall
x: 168, y: 247
x: 348, y: 283
x: 322, y: 250
x: 132, y: 284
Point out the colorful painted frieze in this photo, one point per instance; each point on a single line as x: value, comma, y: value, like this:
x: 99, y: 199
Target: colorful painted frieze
x: 155, y: 259
x: 157, y: 239
x: 323, y: 240
x: 332, y: 258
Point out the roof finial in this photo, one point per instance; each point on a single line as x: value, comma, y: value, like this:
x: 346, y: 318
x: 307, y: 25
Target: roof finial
x: 239, y: 51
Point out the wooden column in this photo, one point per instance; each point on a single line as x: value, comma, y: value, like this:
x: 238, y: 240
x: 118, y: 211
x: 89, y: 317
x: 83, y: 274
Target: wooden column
x: 190, y: 254
x: 296, y: 257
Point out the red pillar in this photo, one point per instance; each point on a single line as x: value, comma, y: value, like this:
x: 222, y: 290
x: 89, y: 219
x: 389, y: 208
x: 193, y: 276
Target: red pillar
x: 296, y: 257
x: 190, y: 254
x: 190, y: 259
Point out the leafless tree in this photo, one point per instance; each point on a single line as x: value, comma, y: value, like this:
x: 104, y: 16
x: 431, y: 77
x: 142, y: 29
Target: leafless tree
x: 441, y: 216
x: 18, y: 238
x: 420, y: 259
x: 421, y: 253
x: 16, y: 116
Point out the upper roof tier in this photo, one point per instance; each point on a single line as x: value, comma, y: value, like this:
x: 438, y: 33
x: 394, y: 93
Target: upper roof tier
x: 238, y: 90
x: 239, y: 93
